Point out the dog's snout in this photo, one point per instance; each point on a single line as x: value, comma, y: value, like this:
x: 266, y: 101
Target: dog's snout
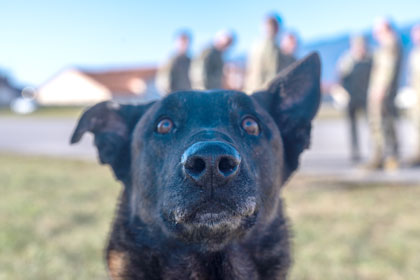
x: 211, y: 163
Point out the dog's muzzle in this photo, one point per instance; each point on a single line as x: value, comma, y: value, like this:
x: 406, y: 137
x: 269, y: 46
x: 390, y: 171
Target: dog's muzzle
x: 210, y: 163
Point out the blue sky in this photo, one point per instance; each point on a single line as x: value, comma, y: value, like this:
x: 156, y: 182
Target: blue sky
x: 38, y: 38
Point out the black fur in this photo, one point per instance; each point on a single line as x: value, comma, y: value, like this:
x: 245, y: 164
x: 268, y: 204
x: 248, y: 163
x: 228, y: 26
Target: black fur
x: 169, y: 227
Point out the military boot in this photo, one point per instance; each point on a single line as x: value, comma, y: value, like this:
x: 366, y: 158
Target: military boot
x: 375, y: 164
x: 391, y: 164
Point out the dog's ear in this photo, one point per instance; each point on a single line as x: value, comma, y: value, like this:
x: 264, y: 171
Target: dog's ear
x: 112, y: 125
x: 292, y: 99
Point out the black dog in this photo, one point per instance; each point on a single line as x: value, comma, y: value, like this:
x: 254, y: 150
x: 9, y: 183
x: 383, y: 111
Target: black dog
x: 202, y: 174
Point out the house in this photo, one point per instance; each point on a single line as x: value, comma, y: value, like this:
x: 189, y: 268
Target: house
x: 74, y: 86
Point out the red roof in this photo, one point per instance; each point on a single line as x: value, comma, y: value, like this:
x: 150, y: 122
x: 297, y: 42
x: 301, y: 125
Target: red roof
x: 122, y: 81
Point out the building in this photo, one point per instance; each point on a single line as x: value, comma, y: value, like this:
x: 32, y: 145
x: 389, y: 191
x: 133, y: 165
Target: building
x: 73, y: 86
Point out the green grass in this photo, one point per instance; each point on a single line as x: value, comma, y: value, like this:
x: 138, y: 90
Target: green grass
x: 55, y: 216
x: 351, y: 231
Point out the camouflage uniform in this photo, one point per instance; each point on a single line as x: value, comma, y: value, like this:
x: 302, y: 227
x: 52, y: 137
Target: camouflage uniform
x: 286, y: 60
x: 207, y: 70
x: 354, y: 78
x: 384, y: 78
x: 264, y: 63
x: 415, y: 84
x: 173, y: 76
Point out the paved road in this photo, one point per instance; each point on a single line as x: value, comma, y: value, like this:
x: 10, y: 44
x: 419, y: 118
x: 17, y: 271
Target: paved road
x: 328, y: 155
x: 42, y: 136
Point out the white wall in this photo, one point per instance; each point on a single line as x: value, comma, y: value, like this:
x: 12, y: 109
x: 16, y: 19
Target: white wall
x: 70, y: 87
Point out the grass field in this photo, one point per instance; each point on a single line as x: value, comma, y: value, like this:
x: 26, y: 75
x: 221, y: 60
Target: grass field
x: 55, y: 216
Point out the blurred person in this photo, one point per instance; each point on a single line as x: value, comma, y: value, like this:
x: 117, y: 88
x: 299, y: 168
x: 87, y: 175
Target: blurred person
x: 414, y: 80
x: 174, y: 74
x: 207, y: 69
x: 383, y: 86
x: 354, y: 69
x: 266, y: 59
x: 288, y: 47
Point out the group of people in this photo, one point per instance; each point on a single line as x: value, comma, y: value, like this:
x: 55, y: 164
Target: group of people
x: 371, y: 79
x: 206, y: 70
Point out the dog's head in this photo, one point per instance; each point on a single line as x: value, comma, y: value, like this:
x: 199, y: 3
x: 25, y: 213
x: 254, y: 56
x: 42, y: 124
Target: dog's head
x: 205, y: 167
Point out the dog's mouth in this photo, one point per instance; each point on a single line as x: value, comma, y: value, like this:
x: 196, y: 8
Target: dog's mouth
x: 215, y: 215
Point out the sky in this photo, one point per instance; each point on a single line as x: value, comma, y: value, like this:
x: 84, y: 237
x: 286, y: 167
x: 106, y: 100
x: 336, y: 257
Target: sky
x: 39, y: 38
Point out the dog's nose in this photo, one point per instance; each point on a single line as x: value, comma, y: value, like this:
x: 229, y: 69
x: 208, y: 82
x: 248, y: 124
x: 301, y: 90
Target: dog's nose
x: 211, y: 163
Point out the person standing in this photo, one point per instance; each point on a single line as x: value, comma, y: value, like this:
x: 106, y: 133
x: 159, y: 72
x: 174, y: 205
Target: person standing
x: 174, y: 74
x: 207, y: 69
x: 414, y: 80
x: 288, y: 47
x: 354, y: 71
x: 266, y: 59
x: 383, y: 86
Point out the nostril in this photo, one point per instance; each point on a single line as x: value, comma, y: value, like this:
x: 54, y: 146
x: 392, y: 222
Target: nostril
x: 195, y: 165
x: 210, y: 163
x: 228, y: 165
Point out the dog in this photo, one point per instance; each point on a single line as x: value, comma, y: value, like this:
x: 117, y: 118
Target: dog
x: 202, y: 174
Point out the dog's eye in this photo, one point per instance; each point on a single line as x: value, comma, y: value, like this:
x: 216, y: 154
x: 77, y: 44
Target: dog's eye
x: 251, y: 126
x: 164, y: 126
